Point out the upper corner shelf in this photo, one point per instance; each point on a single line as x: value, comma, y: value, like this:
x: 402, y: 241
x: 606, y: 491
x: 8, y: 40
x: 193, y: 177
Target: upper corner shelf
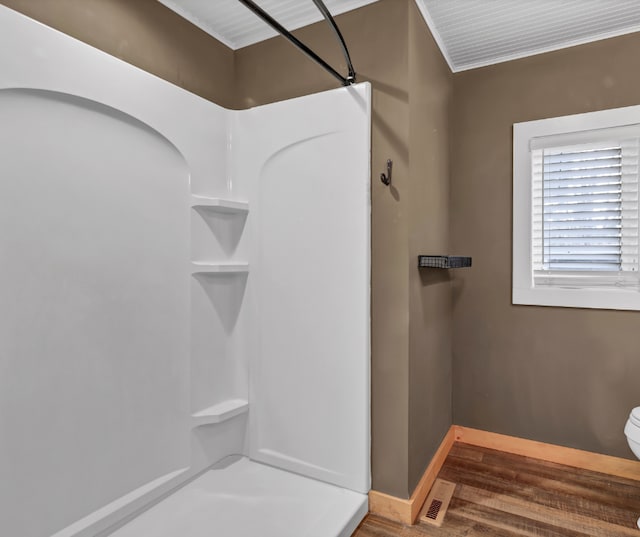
x: 443, y: 261
x: 219, y: 205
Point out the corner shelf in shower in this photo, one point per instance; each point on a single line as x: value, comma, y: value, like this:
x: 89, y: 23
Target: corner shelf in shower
x: 220, y: 412
x: 219, y: 205
x: 219, y: 268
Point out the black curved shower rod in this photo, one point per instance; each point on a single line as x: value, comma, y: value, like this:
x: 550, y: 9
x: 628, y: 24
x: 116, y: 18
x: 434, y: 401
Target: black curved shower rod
x: 346, y: 81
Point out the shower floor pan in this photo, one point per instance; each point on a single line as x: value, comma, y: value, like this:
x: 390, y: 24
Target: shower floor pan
x: 242, y: 498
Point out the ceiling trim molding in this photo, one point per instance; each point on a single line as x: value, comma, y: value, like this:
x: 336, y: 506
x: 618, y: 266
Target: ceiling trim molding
x: 434, y: 32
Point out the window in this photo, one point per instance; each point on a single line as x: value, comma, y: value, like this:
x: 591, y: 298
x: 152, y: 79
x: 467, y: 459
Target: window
x: 575, y: 211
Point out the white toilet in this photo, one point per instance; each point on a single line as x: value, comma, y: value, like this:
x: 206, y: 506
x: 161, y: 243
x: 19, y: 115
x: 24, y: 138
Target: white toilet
x: 632, y: 431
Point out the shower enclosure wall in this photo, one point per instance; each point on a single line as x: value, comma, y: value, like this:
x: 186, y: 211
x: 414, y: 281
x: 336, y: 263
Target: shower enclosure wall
x: 179, y: 283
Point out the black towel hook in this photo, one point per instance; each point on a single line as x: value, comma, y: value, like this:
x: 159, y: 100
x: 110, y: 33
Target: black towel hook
x: 386, y: 178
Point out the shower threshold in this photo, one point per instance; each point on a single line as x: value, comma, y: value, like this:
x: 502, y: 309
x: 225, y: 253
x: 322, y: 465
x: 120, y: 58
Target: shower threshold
x: 242, y: 498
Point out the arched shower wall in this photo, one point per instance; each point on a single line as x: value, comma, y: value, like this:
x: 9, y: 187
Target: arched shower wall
x: 145, y: 300
x: 91, y: 303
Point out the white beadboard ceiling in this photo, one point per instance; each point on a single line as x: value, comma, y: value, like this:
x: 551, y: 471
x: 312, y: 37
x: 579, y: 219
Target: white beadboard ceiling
x: 233, y: 24
x: 474, y: 33
x: 470, y: 33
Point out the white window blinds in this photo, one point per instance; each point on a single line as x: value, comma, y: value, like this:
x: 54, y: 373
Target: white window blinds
x: 585, y: 210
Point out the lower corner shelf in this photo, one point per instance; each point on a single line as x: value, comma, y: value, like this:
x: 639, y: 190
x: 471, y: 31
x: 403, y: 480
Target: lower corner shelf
x: 220, y: 412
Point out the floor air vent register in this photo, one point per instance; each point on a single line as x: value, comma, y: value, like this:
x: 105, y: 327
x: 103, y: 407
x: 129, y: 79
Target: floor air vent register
x: 437, y: 502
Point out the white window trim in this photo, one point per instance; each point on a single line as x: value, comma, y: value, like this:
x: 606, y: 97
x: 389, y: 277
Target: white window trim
x: 523, y: 290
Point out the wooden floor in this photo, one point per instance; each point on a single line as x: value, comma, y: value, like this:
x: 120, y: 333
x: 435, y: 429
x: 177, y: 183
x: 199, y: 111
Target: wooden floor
x: 499, y: 494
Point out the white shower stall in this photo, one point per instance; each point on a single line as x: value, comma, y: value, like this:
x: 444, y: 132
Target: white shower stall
x: 184, y: 303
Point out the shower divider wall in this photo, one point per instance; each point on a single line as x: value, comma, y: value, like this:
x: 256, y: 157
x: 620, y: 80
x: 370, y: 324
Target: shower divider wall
x: 179, y: 283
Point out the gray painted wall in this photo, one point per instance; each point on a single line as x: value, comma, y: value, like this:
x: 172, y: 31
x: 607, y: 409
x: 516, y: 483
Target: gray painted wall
x: 559, y: 375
